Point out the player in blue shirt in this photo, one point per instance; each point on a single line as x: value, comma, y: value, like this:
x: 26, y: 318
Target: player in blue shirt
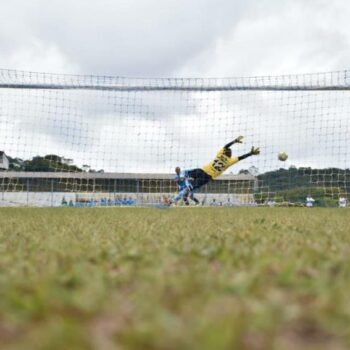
x: 185, y: 187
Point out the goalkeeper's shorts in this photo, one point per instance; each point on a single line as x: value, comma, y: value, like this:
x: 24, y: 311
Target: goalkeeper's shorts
x: 200, y: 177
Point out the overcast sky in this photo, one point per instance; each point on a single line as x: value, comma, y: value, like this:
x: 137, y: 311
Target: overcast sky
x: 175, y: 37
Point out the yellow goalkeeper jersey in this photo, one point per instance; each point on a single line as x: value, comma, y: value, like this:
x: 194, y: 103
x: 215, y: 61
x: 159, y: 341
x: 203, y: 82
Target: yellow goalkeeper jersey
x: 221, y: 162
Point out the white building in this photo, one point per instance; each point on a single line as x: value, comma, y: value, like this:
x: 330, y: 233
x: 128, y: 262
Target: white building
x: 4, y: 162
x: 48, y: 188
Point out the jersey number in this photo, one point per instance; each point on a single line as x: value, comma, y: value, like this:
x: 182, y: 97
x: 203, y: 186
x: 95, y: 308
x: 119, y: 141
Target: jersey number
x: 218, y: 165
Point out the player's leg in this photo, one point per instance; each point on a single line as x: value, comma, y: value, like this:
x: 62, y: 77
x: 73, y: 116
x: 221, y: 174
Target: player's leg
x: 183, y: 194
x: 191, y: 195
x: 177, y: 197
x: 185, y: 198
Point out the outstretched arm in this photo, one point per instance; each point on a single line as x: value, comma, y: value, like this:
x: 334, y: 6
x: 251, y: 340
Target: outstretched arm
x: 239, y: 139
x: 253, y: 152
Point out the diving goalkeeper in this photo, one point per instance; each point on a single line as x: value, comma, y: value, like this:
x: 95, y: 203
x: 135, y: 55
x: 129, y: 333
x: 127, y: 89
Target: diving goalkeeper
x: 222, y: 161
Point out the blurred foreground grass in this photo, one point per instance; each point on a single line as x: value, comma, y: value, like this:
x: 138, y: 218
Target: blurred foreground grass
x: 201, y: 278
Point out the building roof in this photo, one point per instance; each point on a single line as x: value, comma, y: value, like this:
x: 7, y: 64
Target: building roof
x: 126, y: 176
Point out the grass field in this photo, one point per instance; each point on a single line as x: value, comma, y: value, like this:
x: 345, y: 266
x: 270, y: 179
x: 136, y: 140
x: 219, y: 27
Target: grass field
x: 202, y: 278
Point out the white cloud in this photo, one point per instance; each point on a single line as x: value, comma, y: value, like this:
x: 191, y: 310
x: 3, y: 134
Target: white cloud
x: 275, y: 37
x: 36, y: 56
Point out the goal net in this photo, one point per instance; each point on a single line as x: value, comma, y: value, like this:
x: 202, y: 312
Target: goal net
x: 98, y: 140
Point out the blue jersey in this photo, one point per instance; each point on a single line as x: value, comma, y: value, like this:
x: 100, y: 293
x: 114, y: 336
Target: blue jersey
x: 182, y: 181
x: 185, y: 187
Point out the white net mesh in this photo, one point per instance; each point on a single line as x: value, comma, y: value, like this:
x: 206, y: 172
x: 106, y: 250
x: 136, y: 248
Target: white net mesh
x: 96, y: 140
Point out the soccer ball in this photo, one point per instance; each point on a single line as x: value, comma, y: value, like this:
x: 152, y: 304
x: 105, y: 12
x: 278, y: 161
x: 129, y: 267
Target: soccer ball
x: 282, y: 156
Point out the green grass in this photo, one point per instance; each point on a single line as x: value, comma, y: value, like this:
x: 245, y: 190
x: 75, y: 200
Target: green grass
x: 202, y: 278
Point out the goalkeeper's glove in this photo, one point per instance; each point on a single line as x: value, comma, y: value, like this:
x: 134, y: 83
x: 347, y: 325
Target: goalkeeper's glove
x: 255, y: 151
x: 239, y: 139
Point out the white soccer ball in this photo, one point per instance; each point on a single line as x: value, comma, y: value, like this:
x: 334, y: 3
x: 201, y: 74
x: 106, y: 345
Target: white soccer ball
x: 282, y: 156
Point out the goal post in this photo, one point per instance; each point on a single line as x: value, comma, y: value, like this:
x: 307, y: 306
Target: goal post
x: 97, y: 140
